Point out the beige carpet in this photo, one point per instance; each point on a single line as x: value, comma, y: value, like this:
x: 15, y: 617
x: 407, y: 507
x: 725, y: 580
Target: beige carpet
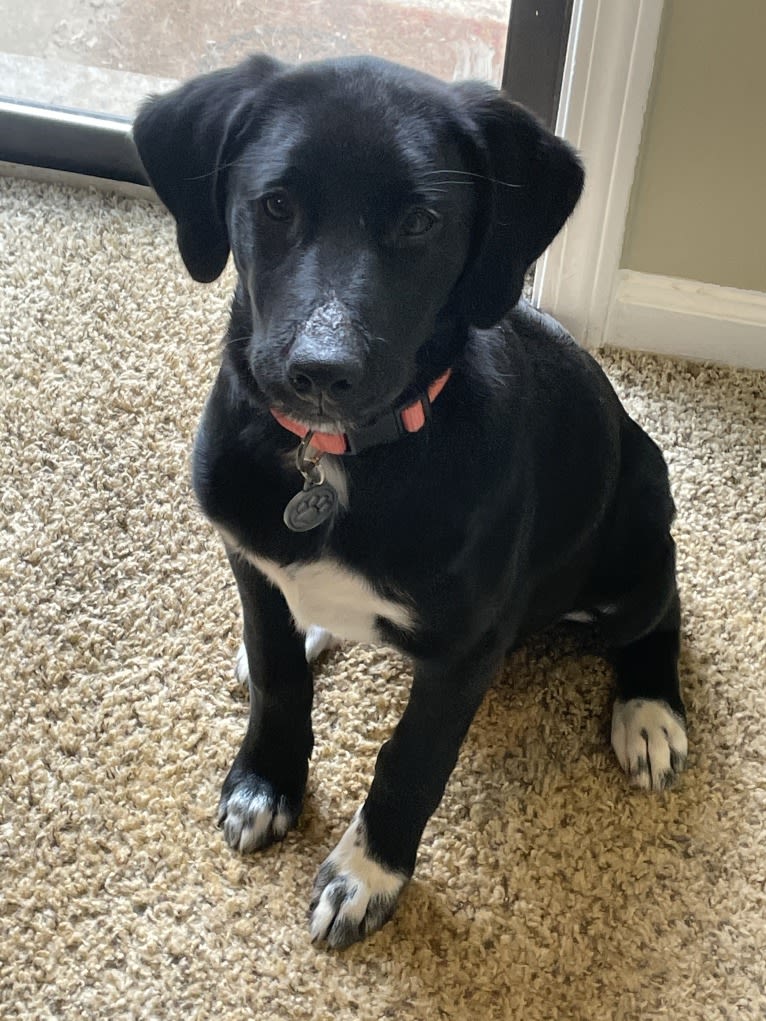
x: 546, y: 889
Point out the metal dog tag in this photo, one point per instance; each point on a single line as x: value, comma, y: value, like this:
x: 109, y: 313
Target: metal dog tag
x: 315, y: 504
x: 317, y: 501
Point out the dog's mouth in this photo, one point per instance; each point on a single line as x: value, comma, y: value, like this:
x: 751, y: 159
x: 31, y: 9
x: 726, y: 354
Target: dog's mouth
x: 388, y: 424
x: 327, y: 418
x: 311, y: 423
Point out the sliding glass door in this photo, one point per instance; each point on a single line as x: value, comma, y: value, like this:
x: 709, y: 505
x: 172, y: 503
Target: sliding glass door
x: 72, y: 72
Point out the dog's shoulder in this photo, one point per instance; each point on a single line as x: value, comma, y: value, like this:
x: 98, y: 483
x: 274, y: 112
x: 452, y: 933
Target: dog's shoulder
x: 552, y: 350
x: 530, y: 370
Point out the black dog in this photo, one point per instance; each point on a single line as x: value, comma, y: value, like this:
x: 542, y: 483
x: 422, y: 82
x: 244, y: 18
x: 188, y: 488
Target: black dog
x: 466, y: 474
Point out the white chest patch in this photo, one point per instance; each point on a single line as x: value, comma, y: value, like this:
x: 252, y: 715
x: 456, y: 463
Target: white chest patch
x: 326, y: 593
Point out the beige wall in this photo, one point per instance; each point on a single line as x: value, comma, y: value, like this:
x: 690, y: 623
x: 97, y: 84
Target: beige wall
x: 698, y: 208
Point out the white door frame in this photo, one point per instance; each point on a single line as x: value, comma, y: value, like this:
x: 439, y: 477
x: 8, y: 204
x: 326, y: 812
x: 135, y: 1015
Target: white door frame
x: 605, y: 89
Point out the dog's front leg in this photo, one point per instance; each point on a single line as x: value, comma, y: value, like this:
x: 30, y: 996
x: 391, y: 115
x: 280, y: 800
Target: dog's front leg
x: 263, y: 793
x: 357, y: 887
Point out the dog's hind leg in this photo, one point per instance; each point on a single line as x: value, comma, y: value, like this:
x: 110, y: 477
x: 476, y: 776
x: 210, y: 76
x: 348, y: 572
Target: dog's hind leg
x: 648, y: 720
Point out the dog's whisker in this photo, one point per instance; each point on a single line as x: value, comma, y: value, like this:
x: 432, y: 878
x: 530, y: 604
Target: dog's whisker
x: 469, y: 173
x: 446, y: 170
x: 235, y: 341
x: 214, y: 171
x: 468, y: 184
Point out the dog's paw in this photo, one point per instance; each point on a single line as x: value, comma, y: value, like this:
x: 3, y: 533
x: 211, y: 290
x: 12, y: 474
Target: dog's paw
x: 353, y: 894
x: 253, y: 815
x: 241, y: 665
x: 318, y: 641
x: 649, y: 739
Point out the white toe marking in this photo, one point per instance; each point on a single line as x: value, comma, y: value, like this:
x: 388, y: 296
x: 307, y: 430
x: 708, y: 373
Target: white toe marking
x: 650, y: 741
x: 241, y: 665
x: 348, y: 885
x: 248, y: 818
x: 579, y: 617
x: 324, y: 913
x: 318, y: 640
x: 590, y: 616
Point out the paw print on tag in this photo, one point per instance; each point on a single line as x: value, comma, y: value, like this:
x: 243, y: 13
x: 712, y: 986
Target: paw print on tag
x: 311, y: 507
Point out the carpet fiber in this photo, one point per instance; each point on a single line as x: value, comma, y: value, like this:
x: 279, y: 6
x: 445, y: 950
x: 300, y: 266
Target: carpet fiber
x: 546, y: 889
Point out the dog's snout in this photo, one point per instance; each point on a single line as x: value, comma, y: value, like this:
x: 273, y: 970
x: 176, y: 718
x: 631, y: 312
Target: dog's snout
x: 314, y: 376
x: 327, y: 358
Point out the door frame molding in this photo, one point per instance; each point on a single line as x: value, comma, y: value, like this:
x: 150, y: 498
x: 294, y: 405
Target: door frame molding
x: 605, y: 89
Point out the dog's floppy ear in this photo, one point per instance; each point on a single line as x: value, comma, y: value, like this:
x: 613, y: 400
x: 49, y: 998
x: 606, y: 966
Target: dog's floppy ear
x: 185, y: 140
x: 535, y: 180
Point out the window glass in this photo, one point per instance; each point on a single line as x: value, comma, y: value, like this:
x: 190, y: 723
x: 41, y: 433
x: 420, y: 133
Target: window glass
x: 105, y: 55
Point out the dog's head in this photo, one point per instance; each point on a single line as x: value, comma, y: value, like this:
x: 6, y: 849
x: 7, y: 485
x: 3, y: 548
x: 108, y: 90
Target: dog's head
x: 373, y: 212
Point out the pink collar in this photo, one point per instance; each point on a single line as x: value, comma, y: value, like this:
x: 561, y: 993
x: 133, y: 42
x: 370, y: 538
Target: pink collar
x: 388, y: 427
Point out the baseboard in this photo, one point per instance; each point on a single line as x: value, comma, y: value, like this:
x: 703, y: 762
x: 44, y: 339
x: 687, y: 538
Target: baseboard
x: 689, y: 319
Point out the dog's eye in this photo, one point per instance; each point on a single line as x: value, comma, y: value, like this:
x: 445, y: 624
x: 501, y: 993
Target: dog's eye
x: 278, y: 206
x: 417, y: 222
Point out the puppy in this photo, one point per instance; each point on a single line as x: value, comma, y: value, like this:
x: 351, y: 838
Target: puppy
x: 398, y: 448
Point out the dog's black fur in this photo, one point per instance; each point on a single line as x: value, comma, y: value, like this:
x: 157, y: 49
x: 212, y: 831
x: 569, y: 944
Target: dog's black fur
x: 381, y: 224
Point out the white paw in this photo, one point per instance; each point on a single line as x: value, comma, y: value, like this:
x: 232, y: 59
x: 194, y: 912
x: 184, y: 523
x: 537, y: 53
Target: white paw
x: 649, y: 740
x: 241, y: 666
x: 353, y: 894
x: 318, y: 641
x: 252, y: 816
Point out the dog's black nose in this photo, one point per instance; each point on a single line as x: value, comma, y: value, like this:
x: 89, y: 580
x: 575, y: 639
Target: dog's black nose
x: 326, y: 360
x: 317, y: 377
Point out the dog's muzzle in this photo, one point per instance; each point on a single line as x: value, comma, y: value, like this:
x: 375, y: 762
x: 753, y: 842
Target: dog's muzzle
x: 325, y: 365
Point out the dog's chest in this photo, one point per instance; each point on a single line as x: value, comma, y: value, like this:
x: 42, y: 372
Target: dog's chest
x: 328, y: 594
x: 324, y: 591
